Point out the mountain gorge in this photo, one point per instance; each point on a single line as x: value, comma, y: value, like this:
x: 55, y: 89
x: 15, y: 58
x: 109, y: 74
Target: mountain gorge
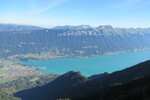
x: 74, y: 41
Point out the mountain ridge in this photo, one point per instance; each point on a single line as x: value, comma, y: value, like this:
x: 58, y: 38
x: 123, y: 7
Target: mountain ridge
x: 72, y: 27
x: 17, y: 27
x: 103, y: 40
x: 64, y: 82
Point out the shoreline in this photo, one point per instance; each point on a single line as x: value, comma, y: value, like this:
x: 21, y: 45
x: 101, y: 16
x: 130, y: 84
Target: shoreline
x: 127, y: 53
x: 106, y: 54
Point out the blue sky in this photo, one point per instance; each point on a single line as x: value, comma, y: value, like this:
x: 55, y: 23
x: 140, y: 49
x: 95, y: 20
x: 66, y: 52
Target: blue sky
x: 47, y: 13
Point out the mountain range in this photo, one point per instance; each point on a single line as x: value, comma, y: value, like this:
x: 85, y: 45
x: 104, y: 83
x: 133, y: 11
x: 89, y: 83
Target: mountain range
x: 28, y: 42
x: 75, y: 41
x: 15, y: 27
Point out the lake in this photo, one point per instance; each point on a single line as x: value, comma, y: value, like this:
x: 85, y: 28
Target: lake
x: 92, y: 65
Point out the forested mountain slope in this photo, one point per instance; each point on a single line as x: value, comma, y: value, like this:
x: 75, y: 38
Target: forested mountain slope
x: 138, y: 89
x: 57, y: 87
x: 101, y: 40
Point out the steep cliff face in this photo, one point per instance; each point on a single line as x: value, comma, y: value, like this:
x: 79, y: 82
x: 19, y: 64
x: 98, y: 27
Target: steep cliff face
x: 75, y: 42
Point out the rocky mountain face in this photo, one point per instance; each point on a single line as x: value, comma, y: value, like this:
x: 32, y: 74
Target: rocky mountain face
x: 72, y: 27
x: 72, y: 42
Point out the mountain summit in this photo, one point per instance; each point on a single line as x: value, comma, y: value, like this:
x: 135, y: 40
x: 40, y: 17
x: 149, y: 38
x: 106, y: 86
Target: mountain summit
x: 73, y: 27
x: 59, y: 86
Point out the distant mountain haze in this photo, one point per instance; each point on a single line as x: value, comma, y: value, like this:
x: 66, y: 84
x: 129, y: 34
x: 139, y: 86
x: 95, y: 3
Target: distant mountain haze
x: 15, y: 27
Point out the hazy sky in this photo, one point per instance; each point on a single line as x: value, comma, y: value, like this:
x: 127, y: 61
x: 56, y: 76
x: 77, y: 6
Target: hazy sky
x: 118, y: 13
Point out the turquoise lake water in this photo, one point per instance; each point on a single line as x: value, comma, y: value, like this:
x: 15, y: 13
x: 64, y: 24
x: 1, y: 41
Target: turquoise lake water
x: 92, y: 65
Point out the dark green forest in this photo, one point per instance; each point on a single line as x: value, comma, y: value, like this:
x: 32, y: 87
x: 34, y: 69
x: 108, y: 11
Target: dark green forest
x: 23, y: 83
